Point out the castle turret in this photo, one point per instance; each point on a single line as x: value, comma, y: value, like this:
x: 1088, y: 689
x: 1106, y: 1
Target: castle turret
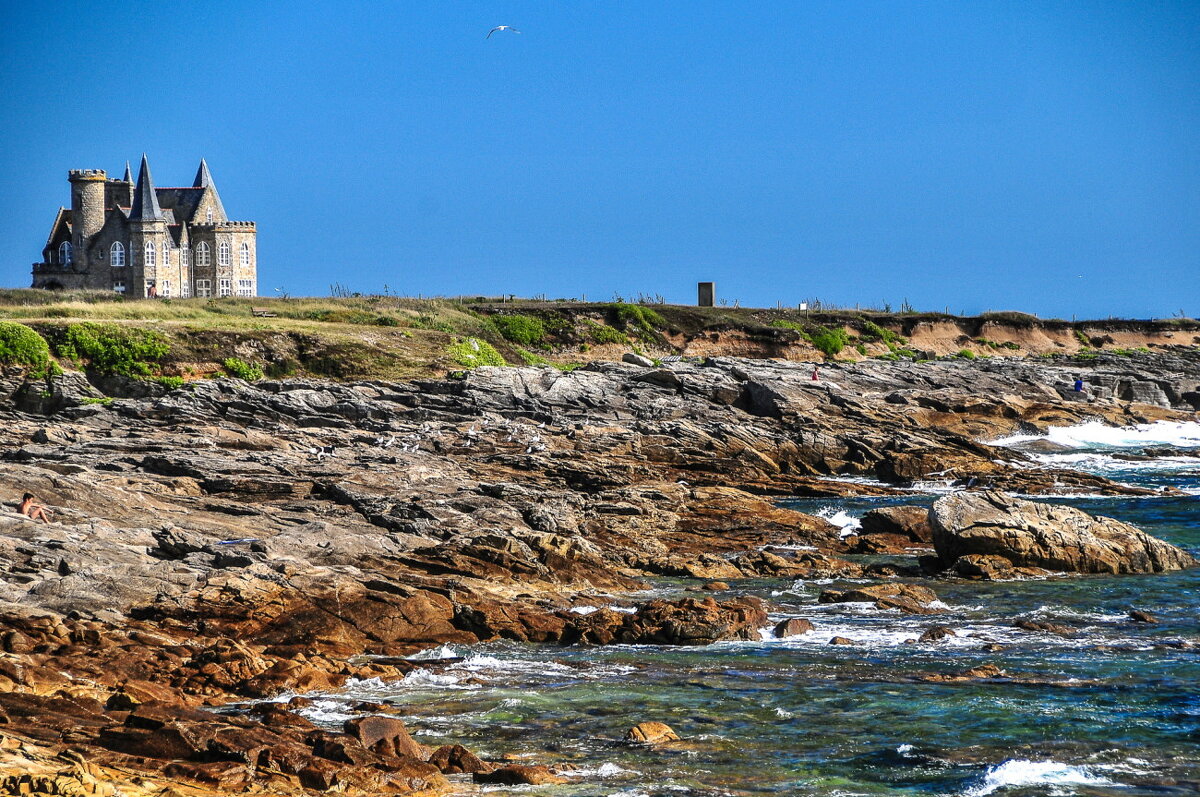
x: 87, y: 211
x: 147, y: 236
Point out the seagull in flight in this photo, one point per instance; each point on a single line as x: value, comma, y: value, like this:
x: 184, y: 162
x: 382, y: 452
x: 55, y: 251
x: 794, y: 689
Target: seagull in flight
x: 501, y: 27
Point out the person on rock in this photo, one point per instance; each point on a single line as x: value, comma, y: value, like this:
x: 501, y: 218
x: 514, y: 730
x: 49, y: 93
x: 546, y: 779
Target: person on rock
x: 32, y: 510
x: 1078, y: 384
x: 815, y: 376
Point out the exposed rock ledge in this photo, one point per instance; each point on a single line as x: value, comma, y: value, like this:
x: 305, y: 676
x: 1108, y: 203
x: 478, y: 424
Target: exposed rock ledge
x: 231, y: 541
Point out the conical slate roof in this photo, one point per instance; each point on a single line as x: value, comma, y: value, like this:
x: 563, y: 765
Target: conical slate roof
x: 128, y: 173
x: 203, y: 178
x: 145, y: 202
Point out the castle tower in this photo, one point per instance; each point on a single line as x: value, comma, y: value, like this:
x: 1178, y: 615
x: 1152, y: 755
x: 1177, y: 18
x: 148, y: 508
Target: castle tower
x: 147, y: 236
x: 87, y: 212
x: 120, y: 192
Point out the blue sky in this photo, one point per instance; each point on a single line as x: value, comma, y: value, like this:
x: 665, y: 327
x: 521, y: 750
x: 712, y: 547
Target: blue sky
x: 1040, y: 156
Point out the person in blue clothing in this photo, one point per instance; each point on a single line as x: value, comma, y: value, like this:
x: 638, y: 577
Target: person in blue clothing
x: 1078, y: 384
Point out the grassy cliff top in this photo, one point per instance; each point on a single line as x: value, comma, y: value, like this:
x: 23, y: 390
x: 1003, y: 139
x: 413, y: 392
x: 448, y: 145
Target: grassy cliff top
x: 388, y: 337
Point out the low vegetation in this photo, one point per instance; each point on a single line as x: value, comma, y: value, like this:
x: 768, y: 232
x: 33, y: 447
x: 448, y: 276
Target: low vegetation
x: 473, y: 352
x: 111, y: 350
x: 525, y: 330
x: 21, y: 345
x: 242, y: 370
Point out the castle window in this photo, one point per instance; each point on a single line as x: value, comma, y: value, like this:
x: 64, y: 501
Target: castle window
x: 209, y: 216
x: 203, y: 257
x: 223, y: 254
x: 64, y: 253
x: 245, y: 288
x: 166, y: 254
x: 119, y: 286
x: 185, y: 290
x: 203, y: 288
x: 150, y: 258
x: 117, y: 255
x: 185, y: 257
x: 224, y: 288
x: 164, y: 289
x: 245, y: 254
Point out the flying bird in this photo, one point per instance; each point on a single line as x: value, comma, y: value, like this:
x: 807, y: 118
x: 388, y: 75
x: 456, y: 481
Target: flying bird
x: 501, y: 27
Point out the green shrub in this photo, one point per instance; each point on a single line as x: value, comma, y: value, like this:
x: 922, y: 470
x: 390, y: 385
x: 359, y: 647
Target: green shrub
x: 429, y: 322
x: 113, y: 350
x: 242, y: 370
x: 862, y: 349
x: 20, y: 345
x: 101, y: 401
x: 1083, y: 339
x: 830, y: 340
x: 525, y: 330
x: 966, y: 354
x: 641, y: 319
x: 170, y: 382
x: 603, y: 333
x: 473, y: 352
x: 873, y: 332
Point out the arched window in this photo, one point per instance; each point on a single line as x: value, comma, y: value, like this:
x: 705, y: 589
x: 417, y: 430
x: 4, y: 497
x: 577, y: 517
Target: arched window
x: 203, y: 257
x: 117, y: 252
x: 245, y: 254
x: 150, y: 259
x: 64, y: 253
x: 223, y: 254
x: 185, y: 257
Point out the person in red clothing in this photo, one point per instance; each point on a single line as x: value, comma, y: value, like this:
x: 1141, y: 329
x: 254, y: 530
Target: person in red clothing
x: 815, y: 376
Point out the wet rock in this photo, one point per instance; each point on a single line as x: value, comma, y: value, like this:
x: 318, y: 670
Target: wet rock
x: 908, y: 598
x: 911, y: 522
x: 795, y: 626
x: 936, y: 634
x: 1038, y: 625
x: 455, y: 759
x: 520, y: 775
x: 684, y: 622
x: 1058, y: 538
x: 1142, y: 617
x: 716, y: 586
x: 651, y: 733
x: 841, y: 640
x: 990, y: 567
x: 384, y: 735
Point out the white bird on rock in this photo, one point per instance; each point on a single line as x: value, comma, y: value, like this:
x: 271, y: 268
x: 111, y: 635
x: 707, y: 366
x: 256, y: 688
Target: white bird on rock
x: 509, y: 28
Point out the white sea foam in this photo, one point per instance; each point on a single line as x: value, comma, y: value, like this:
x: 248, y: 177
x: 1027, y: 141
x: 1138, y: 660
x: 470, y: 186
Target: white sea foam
x: 1094, y: 434
x: 1019, y: 772
x: 605, y: 770
x: 840, y: 518
x: 440, y: 652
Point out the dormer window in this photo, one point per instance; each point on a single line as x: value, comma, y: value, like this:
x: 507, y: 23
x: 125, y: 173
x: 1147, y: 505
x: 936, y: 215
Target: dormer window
x: 64, y: 253
x: 117, y: 254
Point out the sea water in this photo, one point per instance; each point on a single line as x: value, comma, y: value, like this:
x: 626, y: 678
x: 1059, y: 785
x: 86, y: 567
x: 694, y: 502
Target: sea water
x: 1112, y: 708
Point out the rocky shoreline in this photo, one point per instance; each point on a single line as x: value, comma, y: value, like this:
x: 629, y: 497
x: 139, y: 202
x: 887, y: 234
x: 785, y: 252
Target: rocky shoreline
x: 230, y: 542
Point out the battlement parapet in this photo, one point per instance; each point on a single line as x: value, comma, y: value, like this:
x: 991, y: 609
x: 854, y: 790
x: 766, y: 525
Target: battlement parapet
x: 79, y: 175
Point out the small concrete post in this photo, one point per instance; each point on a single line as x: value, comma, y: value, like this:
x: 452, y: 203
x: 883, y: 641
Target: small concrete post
x: 707, y: 294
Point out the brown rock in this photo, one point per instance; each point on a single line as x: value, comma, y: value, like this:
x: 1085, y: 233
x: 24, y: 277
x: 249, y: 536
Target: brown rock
x: 384, y: 735
x: 794, y: 626
x: 985, y: 566
x: 1059, y: 538
x: 1037, y: 625
x: 453, y: 759
x: 651, y: 733
x: 841, y: 640
x: 518, y: 775
x: 911, y: 522
x: 716, y: 586
x: 1142, y: 617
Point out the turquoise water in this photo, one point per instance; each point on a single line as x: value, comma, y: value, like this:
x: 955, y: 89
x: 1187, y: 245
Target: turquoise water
x: 1111, y: 709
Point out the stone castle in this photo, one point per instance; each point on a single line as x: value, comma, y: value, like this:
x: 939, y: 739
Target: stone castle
x: 148, y: 242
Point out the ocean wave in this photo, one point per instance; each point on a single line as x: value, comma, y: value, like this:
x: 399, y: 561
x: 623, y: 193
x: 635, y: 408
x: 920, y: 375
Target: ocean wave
x: 605, y: 770
x: 1020, y: 772
x: 842, y: 519
x: 1094, y: 434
